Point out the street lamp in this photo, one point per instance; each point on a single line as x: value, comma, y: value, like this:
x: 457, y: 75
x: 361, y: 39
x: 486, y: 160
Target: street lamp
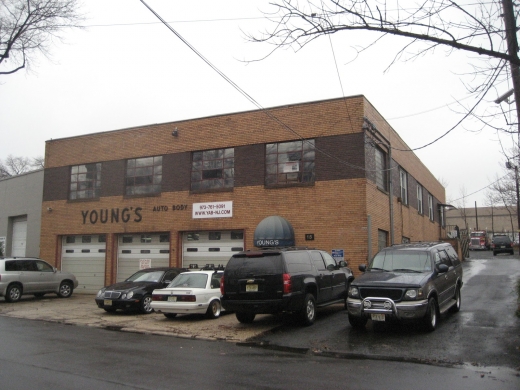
x: 511, y: 166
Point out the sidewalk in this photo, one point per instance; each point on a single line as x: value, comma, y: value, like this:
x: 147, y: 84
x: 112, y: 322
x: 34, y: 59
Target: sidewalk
x: 81, y: 309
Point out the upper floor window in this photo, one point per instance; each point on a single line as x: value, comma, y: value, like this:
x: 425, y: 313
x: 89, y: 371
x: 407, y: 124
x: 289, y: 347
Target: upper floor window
x: 430, y: 207
x: 420, y: 199
x: 290, y: 162
x: 403, y: 181
x: 212, y: 169
x: 85, y: 181
x: 143, y: 175
x: 381, y: 171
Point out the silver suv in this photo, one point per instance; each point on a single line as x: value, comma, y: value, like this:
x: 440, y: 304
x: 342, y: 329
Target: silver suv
x: 25, y: 275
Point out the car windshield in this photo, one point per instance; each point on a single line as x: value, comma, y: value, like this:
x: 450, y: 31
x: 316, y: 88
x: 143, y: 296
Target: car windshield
x: 401, y: 261
x: 190, y: 280
x: 144, y: 276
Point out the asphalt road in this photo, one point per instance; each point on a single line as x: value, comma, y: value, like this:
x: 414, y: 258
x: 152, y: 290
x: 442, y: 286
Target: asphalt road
x: 485, y: 333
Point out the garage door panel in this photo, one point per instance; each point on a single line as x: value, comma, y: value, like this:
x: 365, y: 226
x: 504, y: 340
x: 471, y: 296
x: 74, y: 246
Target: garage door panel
x: 210, y: 247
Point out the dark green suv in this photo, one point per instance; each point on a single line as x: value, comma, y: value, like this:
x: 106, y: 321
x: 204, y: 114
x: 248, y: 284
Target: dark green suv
x: 502, y: 244
x: 289, y: 280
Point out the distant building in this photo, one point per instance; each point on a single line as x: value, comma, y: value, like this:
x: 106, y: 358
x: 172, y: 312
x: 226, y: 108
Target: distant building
x: 492, y: 219
x: 20, y: 214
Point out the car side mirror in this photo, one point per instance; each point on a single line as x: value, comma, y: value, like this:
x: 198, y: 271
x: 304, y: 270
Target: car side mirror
x: 167, y: 281
x: 443, y: 268
x: 362, y: 267
x: 342, y: 264
x: 331, y: 267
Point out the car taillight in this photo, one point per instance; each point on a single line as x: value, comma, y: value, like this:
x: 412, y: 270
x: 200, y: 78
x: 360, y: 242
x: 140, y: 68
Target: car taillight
x: 287, y: 284
x: 186, y: 298
x: 159, y: 297
x: 222, y: 285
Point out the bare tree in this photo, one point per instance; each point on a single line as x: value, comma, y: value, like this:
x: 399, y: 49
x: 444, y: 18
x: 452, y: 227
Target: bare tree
x: 28, y: 27
x: 13, y: 166
x: 485, y: 28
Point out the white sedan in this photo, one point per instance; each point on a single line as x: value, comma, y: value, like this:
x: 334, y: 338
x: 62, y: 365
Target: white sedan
x: 193, y: 292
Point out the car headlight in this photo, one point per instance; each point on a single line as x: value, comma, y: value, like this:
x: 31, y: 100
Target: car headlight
x: 101, y: 292
x: 413, y: 294
x: 130, y: 295
x: 353, y: 292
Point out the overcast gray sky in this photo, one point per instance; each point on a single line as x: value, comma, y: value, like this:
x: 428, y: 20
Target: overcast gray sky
x: 126, y: 69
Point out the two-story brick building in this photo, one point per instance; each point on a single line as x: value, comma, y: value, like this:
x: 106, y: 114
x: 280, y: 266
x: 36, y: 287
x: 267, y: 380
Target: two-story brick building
x: 329, y: 174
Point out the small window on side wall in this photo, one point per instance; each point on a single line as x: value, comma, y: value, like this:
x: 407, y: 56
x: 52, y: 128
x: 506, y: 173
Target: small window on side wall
x: 290, y: 162
x: 85, y: 181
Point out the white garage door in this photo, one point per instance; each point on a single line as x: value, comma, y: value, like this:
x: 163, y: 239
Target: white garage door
x: 137, y: 251
x: 210, y: 247
x: 84, y: 256
x: 19, y: 241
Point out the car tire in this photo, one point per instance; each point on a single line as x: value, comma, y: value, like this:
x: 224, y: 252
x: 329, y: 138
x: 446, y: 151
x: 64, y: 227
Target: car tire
x: 431, y: 316
x: 145, y: 305
x: 13, y: 293
x: 65, y: 290
x: 494, y: 253
x: 110, y: 309
x: 308, y: 313
x: 357, y: 322
x: 245, y: 318
x: 455, y: 308
x: 214, y: 309
x: 39, y: 295
x: 170, y: 315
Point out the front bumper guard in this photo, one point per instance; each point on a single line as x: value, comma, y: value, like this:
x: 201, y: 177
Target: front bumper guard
x: 376, y: 305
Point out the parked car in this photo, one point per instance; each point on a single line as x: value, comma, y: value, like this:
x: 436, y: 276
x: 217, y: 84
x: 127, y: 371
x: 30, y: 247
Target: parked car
x: 27, y: 275
x: 502, y: 244
x: 288, y: 280
x: 407, y: 282
x: 135, y: 293
x: 192, y: 292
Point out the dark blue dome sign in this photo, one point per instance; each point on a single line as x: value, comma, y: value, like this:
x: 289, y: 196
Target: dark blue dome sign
x: 274, y: 231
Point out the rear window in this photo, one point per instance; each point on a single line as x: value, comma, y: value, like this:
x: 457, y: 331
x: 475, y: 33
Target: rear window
x: 504, y: 239
x: 298, y: 262
x: 264, y: 264
x: 12, y: 265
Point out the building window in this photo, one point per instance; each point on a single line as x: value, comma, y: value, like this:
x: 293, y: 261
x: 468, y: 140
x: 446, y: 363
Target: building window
x: 403, y: 181
x: 290, y: 162
x: 430, y: 206
x: 85, y: 181
x: 144, y: 175
x: 420, y: 199
x: 214, y: 235
x: 381, y: 170
x: 382, y: 239
x: 213, y: 169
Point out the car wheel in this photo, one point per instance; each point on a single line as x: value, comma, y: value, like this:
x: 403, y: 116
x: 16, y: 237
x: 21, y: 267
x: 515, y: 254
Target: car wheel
x: 39, y: 295
x: 455, y: 308
x: 65, y: 290
x: 430, y: 319
x: 357, y: 322
x: 110, y: 309
x: 245, y: 318
x: 308, y: 313
x: 213, y: 309
x: 494, y: 253
x: 170, y: 315
x: 146, y: 304
x: 13, y: 293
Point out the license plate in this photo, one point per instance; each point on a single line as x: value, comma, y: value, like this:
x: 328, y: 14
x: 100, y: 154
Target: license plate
x: 172, y: 299
x: 502, y: 246
x: 107, y: 302
x: 378, y: 317
x: 252, y: 287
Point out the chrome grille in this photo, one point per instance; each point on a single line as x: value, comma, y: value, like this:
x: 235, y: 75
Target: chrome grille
x: 112, y: 294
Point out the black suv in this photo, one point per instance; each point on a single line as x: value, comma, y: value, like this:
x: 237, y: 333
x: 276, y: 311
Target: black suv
x: 292, y: 280
x: 502, y: 244
x: 416, y: 281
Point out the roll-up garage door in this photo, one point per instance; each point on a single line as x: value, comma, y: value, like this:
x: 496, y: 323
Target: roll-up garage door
x: 84, y: 256
x: 210, y: 247
x: 19, y: 238
x: 137, y: 251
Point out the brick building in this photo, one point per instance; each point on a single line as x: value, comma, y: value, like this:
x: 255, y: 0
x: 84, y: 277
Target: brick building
x: 333, y: 174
